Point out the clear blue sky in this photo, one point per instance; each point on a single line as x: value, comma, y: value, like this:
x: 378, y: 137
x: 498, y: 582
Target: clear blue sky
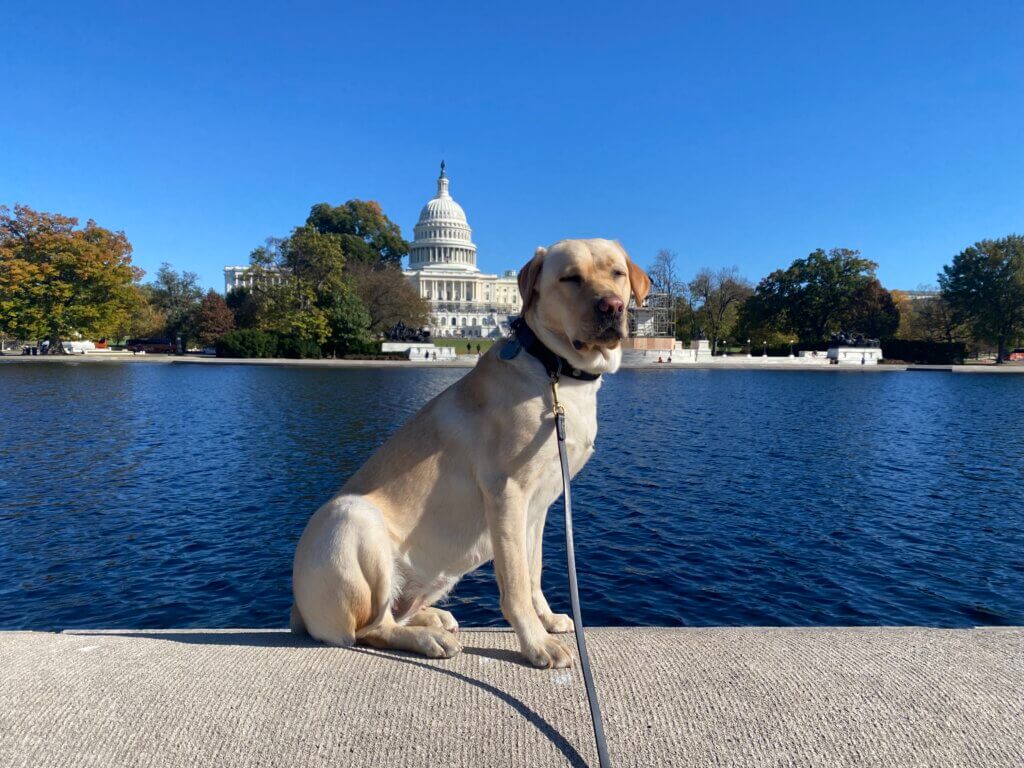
x: 735, y: 134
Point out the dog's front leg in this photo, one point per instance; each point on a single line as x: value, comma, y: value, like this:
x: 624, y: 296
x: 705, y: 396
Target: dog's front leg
x: 507, y: 522
x: 553, y: 622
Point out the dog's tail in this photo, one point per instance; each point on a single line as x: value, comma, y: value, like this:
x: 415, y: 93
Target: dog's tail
x: 297, y: 625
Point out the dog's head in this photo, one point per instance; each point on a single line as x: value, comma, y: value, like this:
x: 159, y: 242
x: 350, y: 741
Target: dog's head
x: 574, y: 298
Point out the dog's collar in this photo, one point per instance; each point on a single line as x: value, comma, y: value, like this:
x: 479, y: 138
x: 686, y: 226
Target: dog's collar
x: 523, y: 337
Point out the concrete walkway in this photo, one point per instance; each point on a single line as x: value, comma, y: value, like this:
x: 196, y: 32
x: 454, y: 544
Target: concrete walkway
x: 672, y: 697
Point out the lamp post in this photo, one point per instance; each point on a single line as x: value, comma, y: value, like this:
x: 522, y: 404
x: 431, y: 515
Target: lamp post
x: 791, y: 343
x: 748, y: 347
x: 725, y: 347
x: 764, y: 348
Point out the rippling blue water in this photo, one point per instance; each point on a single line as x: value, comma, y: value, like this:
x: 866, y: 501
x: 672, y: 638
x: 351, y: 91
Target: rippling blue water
x: 150, y: 496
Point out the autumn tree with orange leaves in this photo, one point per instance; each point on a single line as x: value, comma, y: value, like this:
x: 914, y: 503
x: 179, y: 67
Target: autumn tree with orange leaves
x: 58, y: 281
x: 213, y: 319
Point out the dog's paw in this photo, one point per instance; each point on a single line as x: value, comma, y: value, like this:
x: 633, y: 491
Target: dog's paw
x: 437, y: 643
x: 557, y: 623
x: 448, y: 621
x: 434, y: 617
x: 548, y: 654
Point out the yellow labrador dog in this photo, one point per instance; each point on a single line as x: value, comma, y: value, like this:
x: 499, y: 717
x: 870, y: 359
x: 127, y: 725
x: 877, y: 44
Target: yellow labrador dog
x: 471, y: 476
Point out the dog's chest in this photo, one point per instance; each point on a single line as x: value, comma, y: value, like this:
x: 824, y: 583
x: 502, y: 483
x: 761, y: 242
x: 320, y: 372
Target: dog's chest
x: 580, y: 441
x: 580, y: 405
x: 581, y: 433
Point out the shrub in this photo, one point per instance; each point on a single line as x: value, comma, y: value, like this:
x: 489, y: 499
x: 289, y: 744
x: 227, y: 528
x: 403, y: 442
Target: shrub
x: 247, y: 343
x: 297, y: 348
x: 927, y: 352
x: 365, y: 347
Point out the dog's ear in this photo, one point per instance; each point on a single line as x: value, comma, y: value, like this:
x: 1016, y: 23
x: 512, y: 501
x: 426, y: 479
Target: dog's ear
x: 528, y: 278
x: 639, y: 282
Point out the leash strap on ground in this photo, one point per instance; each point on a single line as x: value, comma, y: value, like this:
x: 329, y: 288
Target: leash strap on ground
x: 574, y: 596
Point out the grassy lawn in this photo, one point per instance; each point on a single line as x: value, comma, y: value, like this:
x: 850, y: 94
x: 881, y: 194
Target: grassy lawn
x: 460, y: 344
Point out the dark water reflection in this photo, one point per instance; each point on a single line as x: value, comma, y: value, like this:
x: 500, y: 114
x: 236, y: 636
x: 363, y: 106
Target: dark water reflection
x: 155, y: 496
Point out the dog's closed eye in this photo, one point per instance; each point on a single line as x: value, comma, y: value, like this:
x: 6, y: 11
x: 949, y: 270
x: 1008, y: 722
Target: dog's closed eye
x: 571, y: 279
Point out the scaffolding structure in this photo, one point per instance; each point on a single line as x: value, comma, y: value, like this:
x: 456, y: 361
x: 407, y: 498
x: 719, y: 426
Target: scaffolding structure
x: 654, y: 319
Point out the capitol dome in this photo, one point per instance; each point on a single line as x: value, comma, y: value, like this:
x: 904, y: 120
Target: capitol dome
x: 442, y: 235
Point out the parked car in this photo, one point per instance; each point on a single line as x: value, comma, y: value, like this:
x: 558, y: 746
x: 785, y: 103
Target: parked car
x: 1017, y: 354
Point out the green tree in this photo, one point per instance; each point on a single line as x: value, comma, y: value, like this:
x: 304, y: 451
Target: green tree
x: 244, y: 307
x: 177, y: 296
x: 290, y: 308
x: 873, y: 311
x: 367, y: 235
x: 57, y: 281
x: 335, y: 280
x: 293, y: 279
x: 315, y: 259
x: 820, y: 295
x: 213, y: 319
x: 349, y: 324
x: 985, y: 285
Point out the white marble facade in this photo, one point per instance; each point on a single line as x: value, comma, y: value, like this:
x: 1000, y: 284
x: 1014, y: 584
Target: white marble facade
x: 464, y: 302
x: 855, y: 355
x: 243, y: 276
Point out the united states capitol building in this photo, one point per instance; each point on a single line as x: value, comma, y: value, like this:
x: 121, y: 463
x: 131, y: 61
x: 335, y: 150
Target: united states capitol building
x: 464, y: 302
x: 442, y: 267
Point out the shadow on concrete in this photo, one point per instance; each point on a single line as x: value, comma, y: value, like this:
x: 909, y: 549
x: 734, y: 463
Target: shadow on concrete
x: 498, y: 654
x: 272, y: 638
x: 242, y: 638
x: 549, y: 731
x: 286, y: 639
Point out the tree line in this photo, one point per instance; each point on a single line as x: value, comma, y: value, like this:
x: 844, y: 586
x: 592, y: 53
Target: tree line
x: 331, y: 287
x: 979, y: 301
x: 334, y: 285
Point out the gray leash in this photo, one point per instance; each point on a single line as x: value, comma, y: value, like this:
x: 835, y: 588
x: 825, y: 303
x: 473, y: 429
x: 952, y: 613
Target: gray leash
x: 574, y: 596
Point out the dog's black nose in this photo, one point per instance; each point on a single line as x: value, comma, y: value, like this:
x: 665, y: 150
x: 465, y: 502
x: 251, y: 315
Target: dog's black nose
x: 610, y: 305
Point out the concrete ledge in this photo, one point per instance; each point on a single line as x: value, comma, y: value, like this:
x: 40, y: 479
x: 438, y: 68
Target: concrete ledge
x: 672, y: 697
